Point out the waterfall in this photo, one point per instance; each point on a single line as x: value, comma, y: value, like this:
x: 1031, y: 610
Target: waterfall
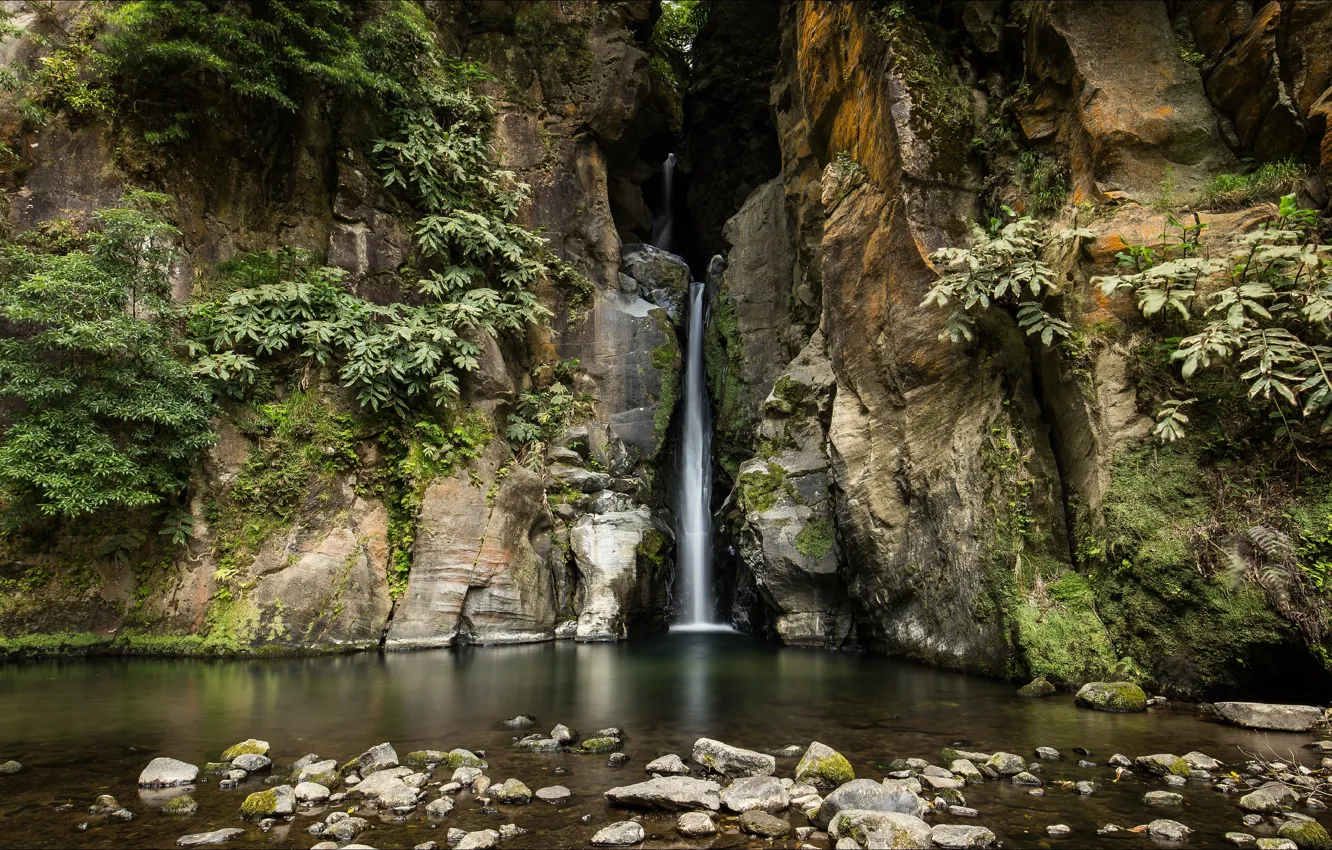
x: 663, y: 226
x: 695, y: 503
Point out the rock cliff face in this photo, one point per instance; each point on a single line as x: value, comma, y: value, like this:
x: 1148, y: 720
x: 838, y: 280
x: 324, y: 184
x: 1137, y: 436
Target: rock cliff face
x: 998, y: 506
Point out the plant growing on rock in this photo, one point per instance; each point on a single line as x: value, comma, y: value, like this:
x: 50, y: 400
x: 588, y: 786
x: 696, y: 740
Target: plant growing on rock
x: 1002, y: 270
x: 105, y: 412
x: 1270, y: 319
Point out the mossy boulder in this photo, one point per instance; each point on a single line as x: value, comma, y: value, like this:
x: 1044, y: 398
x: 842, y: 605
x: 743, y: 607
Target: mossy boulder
x: 824, y: 767
x: 249, y: 747
x: 1307, y: 834
x: 182, y: 805
x: 420, y: 758
x: 600, y: 745
x: 1038, y: 687
x: 1163, y: 764
x: 459, y: 757
x: 1122, y: 697
x: 271, y: 801
x: 948, y: 755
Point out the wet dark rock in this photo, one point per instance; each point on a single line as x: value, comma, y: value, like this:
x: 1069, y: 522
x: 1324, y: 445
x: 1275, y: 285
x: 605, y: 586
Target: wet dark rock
x: 511, y: 830
x: 793, y: 751
x: 1026, y: 778
x: 764, y: 825
x: 1168, y: 830
x: 1085, y: 763
x: 617, y: 759
x: 1038, y: 687
x: 620, y: 834
x: 521, y: 721
x: 105, y: 804
x: 217, y: 836
x: 166, y: 773
x: 378, y: 757
x: 731, y: 761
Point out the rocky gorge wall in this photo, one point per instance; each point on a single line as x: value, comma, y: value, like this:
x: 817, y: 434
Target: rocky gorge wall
x: 997, y: 507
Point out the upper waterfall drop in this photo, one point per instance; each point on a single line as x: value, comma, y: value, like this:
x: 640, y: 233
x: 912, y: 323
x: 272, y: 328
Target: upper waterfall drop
x: 663, y: 226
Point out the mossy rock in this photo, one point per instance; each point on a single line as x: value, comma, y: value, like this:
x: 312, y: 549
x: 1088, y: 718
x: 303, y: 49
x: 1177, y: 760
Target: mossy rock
x: 599, y: 745
x: 219, y: 768
x: 1122, y: 697
x: 1307, y: 834
x: 260, y: 804
x: 459, y: 757
x: 1163, y: 764
x: 420, y: 758
x: 328, y: 779
x: 948, y: 755
x: 824, y: 767
x: 182, y: 805
x: 250, y: 747
x: 1038, y: 687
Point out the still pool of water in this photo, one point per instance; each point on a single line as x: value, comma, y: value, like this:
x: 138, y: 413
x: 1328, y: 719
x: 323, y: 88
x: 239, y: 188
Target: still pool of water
x: 83, y: 728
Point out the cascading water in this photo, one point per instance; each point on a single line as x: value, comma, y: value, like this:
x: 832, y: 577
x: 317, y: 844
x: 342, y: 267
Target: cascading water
x: 695, y: 536
x: 694, y: 502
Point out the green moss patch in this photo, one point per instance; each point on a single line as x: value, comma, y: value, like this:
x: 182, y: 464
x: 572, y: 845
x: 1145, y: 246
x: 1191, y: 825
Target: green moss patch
x: 816, y: 539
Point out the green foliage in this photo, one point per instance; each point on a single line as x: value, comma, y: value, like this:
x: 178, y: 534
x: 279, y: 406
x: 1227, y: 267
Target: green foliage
x: 939, y: 97
x: 760, y: 489
x: 107, y: 415
x: 1271, y: 320
x: 679, y: 25
x: 1003, y: 270
x: 1267, y: 182
x: 175, y: 65
x: 68, y: 80
x: 816, y: 539
x: 724, y: 359
x: 1046, y: 181
x: 541, y: 414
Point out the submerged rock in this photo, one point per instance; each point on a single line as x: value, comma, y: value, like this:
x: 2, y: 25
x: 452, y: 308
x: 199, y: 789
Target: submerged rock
x: 749, y: 793
x: 620, y: 834
x: 868, y: 795
x: 695, y: 825
x: 217, y: 836
x: 1258, y: 715
x: 764, y: 825
x: 1121, y: 697
x: 960, y: 837
x: 553, y: 794
x: 521, y: 721
x: 248, y: 747
x: 672, y: 793
x: 732, y: 761
x: 166, y: 773
x: 874, y: 829
x: 824, y: 767
x: 668, y: 765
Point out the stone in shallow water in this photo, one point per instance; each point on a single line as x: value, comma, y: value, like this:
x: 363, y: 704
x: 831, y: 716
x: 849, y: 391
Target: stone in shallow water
x: 1111, y: 696
x: 9, y: 768
x: 695, y: 825
x: 378, y: 757
x: 1084, y: 788
x: 951, y: 836
x: 311, y: 792
x: 1307, y: 834
x: 347, y: 828
x: 731, y: 761
x: 273, y: 801
x: 482, y: 839
x: 620, y: 834
x: 967, y: 770
x: 1058, y: 830
x: 439, y: 808
x: 252, y: 762
x: 1277, y: 844
x: 868, y: 795
x: 1047, y: 753
x: 617, y: 759
x: 1267, y: 798
x: 1201, y: 761
x: 1240, y: 839
x: 167, y: 772
x: 1162, y: 798
x: 182, y: 805
x: 880, y: 829
x: 1168, y: 830
x: 1006, y: 764
x: 823, y: 767
x: 305, y: 761
x: 512, y: 792
x: 1163, y: 764
x: 511, y: 830
x: 323, y: 772
x: 103, y: 805
x: 553, y: 794
x: 673, y: 793
x: 667, y: 765
x: 755, y: 792
x: 521, y: 721
x: 250, y: 746
x: 217, y: 836
x: 963, y: 812
x: 1038, y: 687
x: 1120, y: 760
x: 465, y: 775
x: 563, y: 734
x: 1258, y: 715
x: 1025, y: 778
x: 764, y: 825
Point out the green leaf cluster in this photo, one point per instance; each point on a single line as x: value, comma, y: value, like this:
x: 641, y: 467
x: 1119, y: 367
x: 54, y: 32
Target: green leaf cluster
x: 1002, y: 270
x: 541, y: 414
x: 105, y: 411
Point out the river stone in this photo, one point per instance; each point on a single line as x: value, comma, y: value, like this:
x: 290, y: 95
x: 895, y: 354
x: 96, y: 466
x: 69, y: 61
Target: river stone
x: 668, y: 765
x: 252, y: 762
x: 620, y: 834
x: 482, y: 839
x: 378, y: 757
x: 695, y: 825
x: 182, y: 805
x: 1027, y: 779
x: 1047, y: 753
x: 600, y: 744
x: 458, y: 757
x: 1162, y: 798
x: 1112, y: 696
x: 673, y: 793
x: 512, y: 792
x: 480, y: 784
x: 1084, y: 788
x: 1258, y: 715
x: 823, y: 767
x: 521, y: 721
x: 9, y: 768
x: 273, y: 801
x: 439, y: 808
x: 1307, y: 834
x: 553, y: 794
x: 968, y: 771
x: 1168, y: 830
x: 1058, y: 830
x: 731, y: 761
x: 374, y: 784
x: 345, y: 828
x: 103, y: 805
x: 948, y: 755
x: 876, y: 829
x: 1201, y: 761
x: 311, y: 792
x: 421, y: 758
x: 868, y: 795
x: 1038, y: 687
x: 1268, y: 798
x: 167, y: 772
x: 1240, y: 839
x: 541, y: 745
x: 764, y: 825
x: 563, y: 734
x: 217, y: 836
x: 1277, y: 844
x: 755, y: 792
x: 465, y: 775
x: 323, y: 772
x: 248, y: 747
x: 1006, y: 764
x: 1163, y: 764
x: 305, y: 761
